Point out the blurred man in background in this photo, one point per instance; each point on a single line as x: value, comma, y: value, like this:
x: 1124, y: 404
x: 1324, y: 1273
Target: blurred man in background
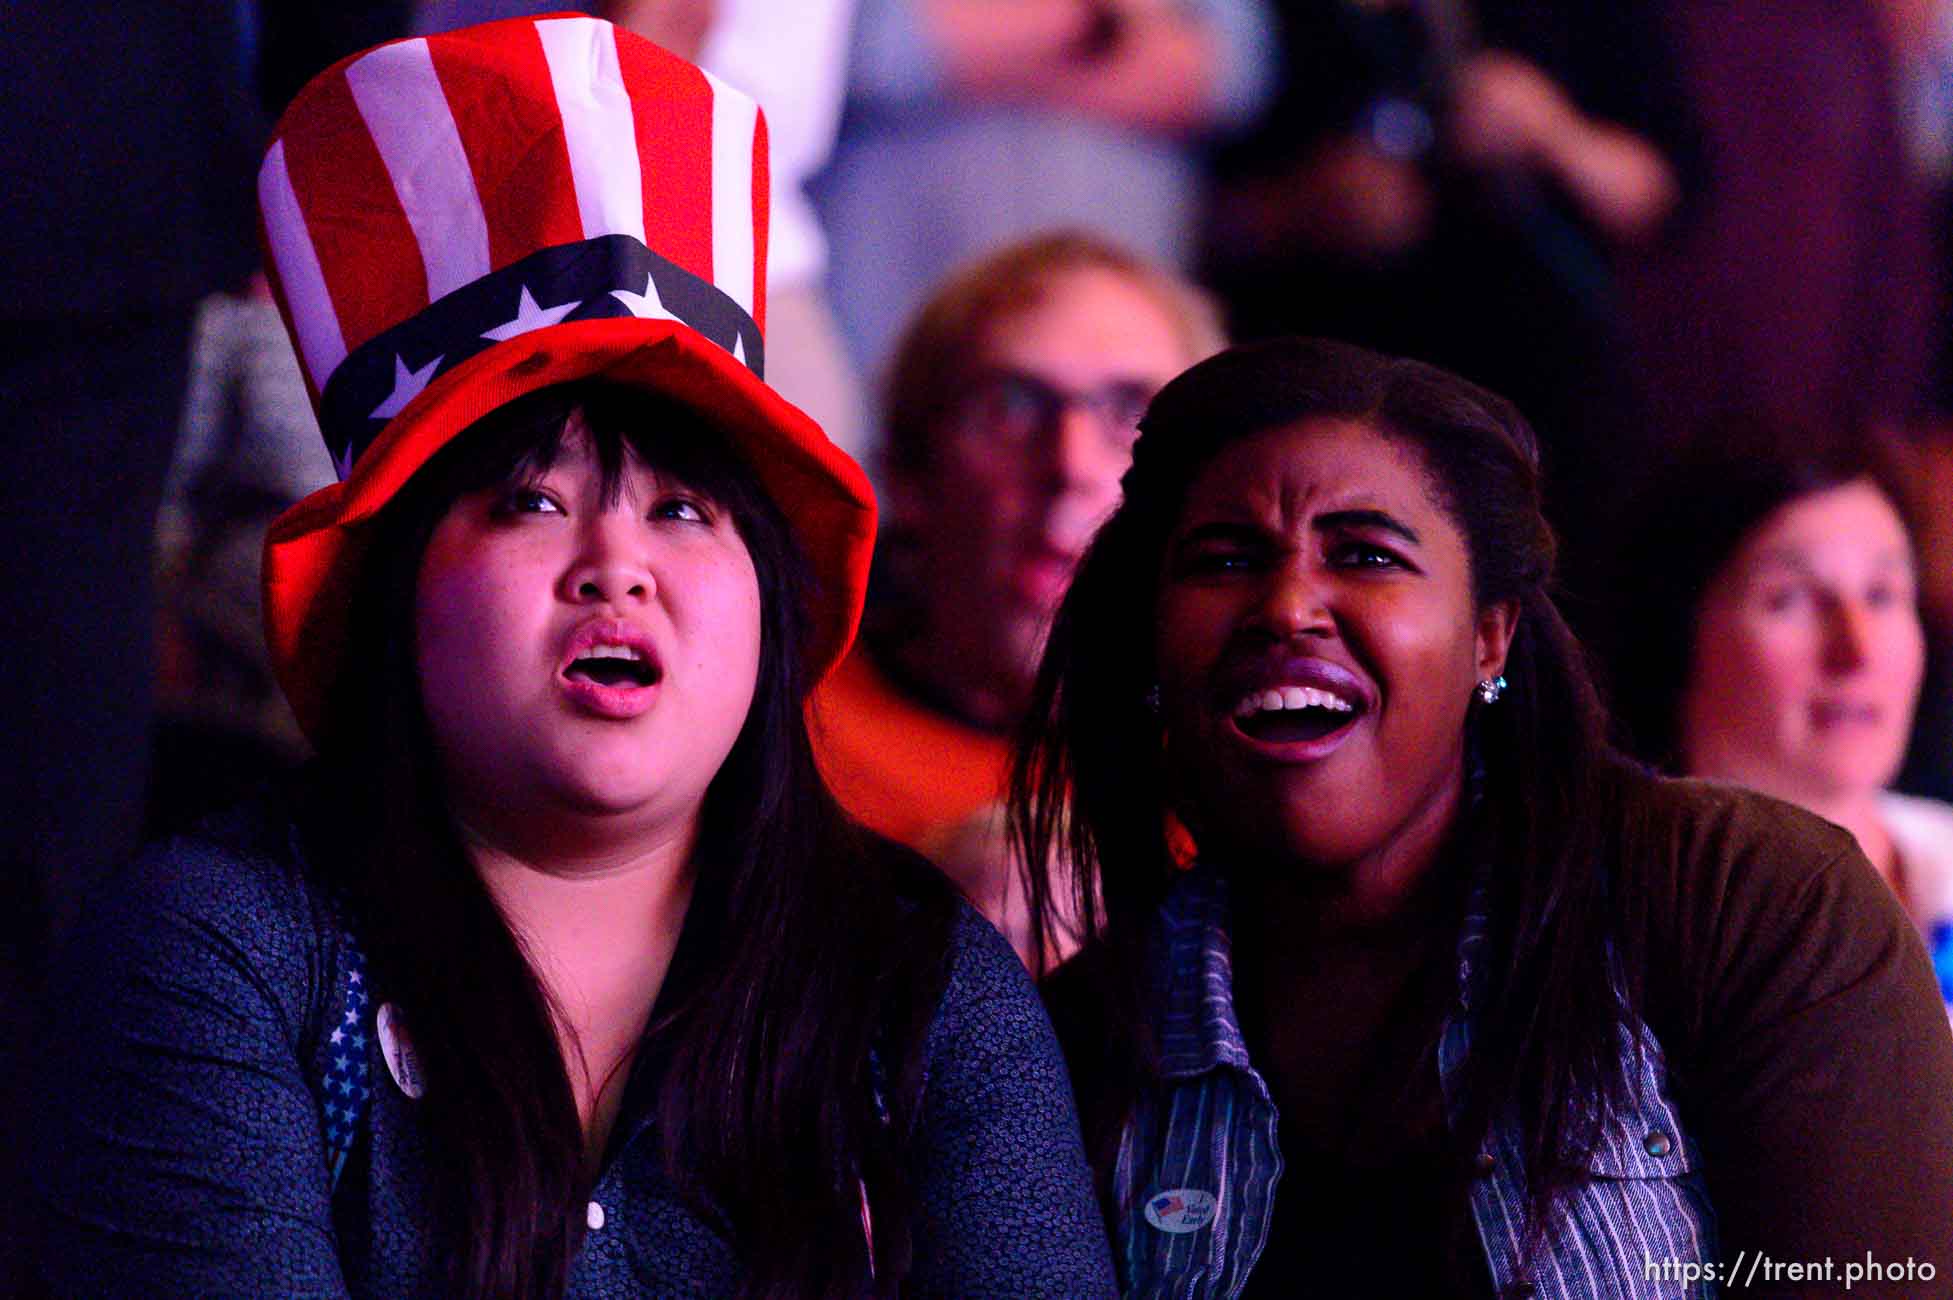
x: 1013, y: 404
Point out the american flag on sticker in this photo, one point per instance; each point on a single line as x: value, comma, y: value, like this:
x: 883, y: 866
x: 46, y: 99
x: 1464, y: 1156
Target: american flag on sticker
x: 1182, y: 1209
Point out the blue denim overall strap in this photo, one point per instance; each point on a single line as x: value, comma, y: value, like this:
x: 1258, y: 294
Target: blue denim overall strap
x: 1639, y: 1227
x: 1199, y: 1162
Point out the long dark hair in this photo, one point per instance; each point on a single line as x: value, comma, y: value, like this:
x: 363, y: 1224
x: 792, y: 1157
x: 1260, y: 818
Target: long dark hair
x: 806, y: 944
x: 1733, y: 473
x: 1089, y: 783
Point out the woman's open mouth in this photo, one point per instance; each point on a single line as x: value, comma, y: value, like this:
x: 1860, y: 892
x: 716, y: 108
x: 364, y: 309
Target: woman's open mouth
x: 611, y: 670
x: 613, y: 665
x: 1290, y: 715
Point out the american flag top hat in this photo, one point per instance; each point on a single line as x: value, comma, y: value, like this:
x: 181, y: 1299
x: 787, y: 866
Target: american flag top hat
x: 453, y: 221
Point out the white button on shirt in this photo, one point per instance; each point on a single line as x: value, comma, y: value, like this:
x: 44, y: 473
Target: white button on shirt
x: 594, y: 1216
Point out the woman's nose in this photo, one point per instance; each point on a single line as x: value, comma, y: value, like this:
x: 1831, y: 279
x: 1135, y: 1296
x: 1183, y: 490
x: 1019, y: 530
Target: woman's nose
x: 1294, y: 601
x: 612, y: 564
x: 1847, y: 636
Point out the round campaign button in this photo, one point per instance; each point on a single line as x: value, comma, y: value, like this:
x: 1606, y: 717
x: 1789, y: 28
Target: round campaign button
x: 398, y: 1052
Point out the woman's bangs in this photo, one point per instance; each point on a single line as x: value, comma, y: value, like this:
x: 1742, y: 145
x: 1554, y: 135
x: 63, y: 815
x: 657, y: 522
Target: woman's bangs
x: 674, y: 442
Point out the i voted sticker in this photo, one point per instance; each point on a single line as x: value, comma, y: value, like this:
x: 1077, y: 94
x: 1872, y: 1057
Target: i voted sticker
x: 399, y: 1053
x: 1184, y: 1209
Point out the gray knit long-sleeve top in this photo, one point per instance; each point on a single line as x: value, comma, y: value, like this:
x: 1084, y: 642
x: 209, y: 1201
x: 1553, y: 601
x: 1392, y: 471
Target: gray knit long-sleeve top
x: 183, y: 1135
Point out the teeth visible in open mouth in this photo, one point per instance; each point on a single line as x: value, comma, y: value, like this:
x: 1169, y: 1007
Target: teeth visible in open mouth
x: 613, y: 665
x: 1287, y: 698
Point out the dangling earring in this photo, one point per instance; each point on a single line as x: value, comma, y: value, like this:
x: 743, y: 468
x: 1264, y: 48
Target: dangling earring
x: 1490, y: 689
x: 1152, y: 699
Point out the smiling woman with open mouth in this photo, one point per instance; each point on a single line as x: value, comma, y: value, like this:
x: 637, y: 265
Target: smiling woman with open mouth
x: 1448, y: 999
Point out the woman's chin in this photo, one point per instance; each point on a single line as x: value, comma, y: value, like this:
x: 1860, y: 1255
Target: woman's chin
x: 1287, y: 841
x: 571, y: 812
x: 1820, y: 777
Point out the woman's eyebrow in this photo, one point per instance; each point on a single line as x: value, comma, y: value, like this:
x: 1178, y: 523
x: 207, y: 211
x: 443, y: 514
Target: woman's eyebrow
x: 1230, y: 530
x: 1796, y: 561
x: 1897, y: 557
x: 1379, y: 520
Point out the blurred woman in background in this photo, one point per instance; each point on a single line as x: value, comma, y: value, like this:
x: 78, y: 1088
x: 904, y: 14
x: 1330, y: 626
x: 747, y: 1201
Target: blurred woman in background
x: 1770, y: 636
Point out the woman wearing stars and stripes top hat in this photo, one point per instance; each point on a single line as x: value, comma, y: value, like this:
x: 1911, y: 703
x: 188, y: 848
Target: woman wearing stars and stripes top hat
x: 559, y: 972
